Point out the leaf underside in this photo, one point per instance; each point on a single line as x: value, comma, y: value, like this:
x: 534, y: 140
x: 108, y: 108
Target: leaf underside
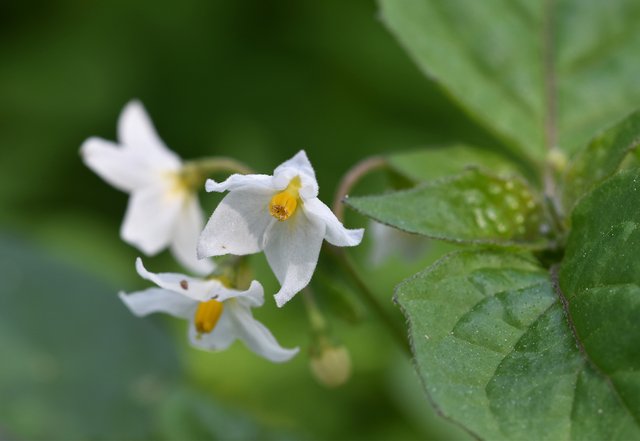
x: 539, y: 74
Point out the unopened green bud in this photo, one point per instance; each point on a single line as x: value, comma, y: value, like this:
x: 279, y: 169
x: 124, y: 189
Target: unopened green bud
x: 557, y: 159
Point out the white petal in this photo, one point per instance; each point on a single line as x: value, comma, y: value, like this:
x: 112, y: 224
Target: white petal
x: 150, y: 218
x: 136, y: 131
x: 195, y: 289
x: 188, y: 225
x: 253, y: 297
x: 152, y: 300
x: 237, y: 225
x: 256, y: 336
x: 299, y: 162
x: 115, y: 164
x: 292, y: 248
x: 219, y: 339
x: 236, y: 181
x: 300, y: 166
x: 336, y: 233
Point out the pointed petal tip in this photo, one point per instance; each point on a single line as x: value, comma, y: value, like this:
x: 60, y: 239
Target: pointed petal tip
x: 133, y: 105
x: 144, y: 246
x: 141, y: 270
x: 256, y: 286
x: 282, y: 299
x: 356, y: 236
x: 285, y: 355
x: 89, y: 145
x: 210, y: 185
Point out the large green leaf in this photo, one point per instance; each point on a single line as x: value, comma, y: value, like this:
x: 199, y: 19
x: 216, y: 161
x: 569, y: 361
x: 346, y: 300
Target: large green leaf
x: 601, y: 279
x: 472, y: 207
x: 538, y: 73
x: 442, y: 161
x: 603, y: 248
x: 601, y: 158
x: 497, y: 354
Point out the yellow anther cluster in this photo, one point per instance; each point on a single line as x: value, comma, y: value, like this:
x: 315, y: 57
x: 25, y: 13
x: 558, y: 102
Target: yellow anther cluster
x: 207, y: 315
x: 283, y: 205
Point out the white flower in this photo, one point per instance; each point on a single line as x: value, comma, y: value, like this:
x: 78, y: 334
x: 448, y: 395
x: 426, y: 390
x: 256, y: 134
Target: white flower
x: 217, y: 315
x: 280, y: 214
x: 162, y: 210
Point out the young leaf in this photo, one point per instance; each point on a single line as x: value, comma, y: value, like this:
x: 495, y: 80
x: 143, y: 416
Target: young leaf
x: 496, y: 353
x: 601, y: 158
x: 538, y: 73
x: 472, y: 207
x: 438, y: 162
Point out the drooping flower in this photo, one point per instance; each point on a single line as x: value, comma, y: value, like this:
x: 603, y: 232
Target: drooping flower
x: 217, y: 315
x: 280, y: 214
x: 162, y: 211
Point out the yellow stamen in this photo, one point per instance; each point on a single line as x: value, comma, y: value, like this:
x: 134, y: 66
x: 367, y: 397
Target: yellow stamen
x: 207, y: 315
x: 283, y: 205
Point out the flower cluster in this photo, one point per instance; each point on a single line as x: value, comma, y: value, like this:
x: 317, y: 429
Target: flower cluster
x: 279, y: 214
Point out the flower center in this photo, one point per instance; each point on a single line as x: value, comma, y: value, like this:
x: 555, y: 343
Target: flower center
x: 207, y: 315
x: 284, y: 204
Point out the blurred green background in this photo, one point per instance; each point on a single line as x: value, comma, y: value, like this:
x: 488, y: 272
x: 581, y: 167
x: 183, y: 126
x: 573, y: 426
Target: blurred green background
x: 254, y: 79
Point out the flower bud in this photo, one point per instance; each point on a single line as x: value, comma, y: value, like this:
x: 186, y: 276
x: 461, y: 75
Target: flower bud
x: 558, y: 160
x: 331, y: 367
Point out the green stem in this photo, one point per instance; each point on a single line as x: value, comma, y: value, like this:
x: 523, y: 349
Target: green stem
x: 352, y: 177
x: 370, y: 299
x: 316, y: 319
x: 194, y: 173
x: 217, y: 165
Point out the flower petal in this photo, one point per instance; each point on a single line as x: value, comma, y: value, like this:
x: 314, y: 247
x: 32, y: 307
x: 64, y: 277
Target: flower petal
x: 292, y: 248
x: 152, y: 300
x: 150, y: 218
x: 237, y: 225
x: 336, y: 233
x: 219, y: 339
x: 237, y: 181
x: 253, y: 297
x: 188, y: 225
x: 298, y: 162
x: 115, y: 164
x: 300, y: 166
x: 195, y: 289
x: 136, y: 130
x: 256, y: 336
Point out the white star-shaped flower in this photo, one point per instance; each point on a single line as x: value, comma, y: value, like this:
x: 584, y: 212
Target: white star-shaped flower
x: 163, y: 211
x: 217, y: 315
x: 280, y: 214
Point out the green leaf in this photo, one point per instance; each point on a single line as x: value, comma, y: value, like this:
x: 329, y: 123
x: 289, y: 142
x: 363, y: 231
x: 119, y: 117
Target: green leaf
x: 473, y: 207
x: 604, y: 243
x: 496, y: 353
x: 600, y: 277
x: 601, y: 158
x: 537, y: 73
x: 76, y: 364
x: 439, y: 162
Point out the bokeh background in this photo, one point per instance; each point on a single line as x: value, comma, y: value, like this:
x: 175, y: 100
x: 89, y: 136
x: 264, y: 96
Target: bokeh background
x: 253, y: 79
